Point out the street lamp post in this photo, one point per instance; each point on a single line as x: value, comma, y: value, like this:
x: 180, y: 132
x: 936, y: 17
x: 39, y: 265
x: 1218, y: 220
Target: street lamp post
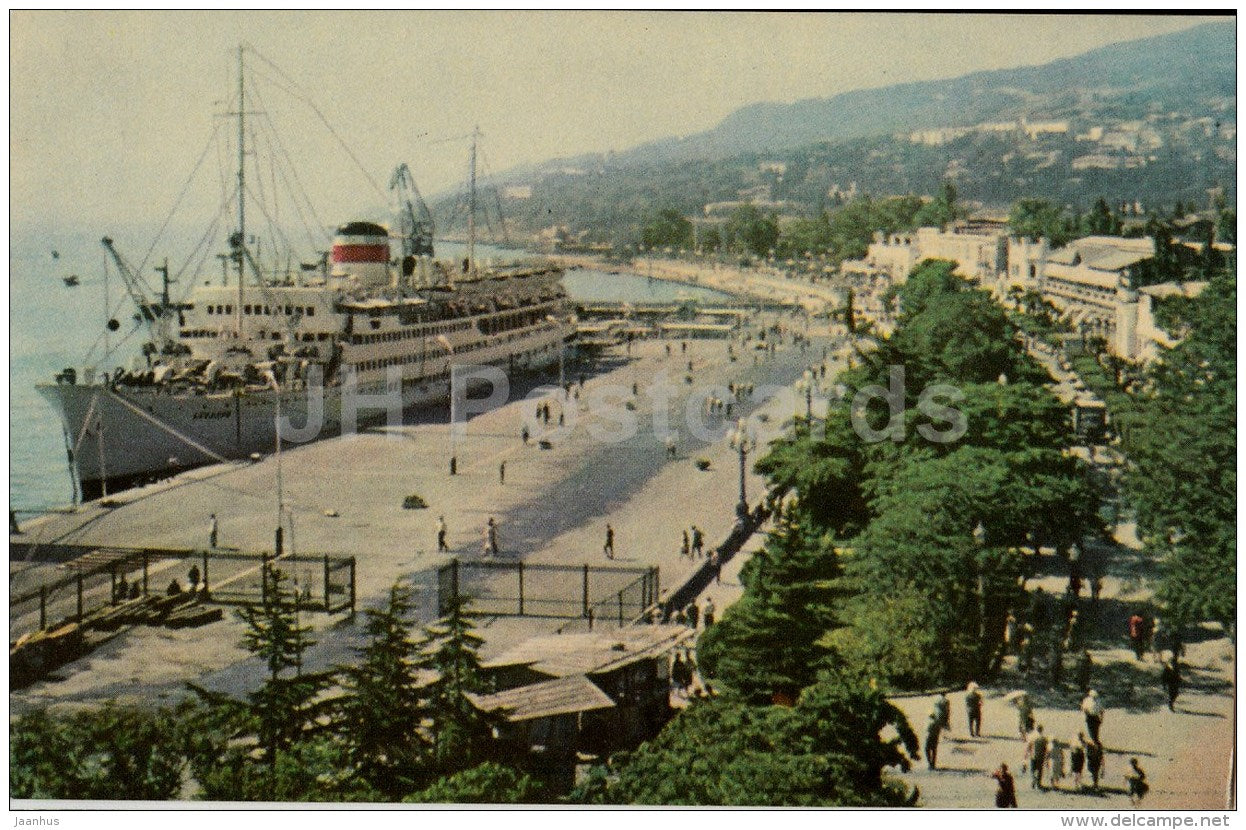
x: 804, y: 385
x: 277, y: 536
x: 743, y: 443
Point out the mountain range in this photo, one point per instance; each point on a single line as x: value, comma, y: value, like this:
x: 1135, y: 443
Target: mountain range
x: 1128, y: 79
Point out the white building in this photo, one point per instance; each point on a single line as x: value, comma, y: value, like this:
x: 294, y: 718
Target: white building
x: 1090, y: 281
x: 978, y: 249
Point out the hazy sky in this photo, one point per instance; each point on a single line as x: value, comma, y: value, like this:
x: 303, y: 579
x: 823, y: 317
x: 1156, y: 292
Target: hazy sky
x: 109, y: 111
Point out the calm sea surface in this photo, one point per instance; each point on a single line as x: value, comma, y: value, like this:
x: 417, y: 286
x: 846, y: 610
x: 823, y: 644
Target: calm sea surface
x: 52, y: 326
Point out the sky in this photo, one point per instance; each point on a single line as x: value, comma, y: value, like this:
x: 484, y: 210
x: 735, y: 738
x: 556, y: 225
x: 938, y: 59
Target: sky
x: 109, y: 111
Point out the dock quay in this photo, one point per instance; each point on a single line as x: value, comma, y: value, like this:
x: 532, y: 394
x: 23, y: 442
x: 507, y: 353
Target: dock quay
x: 344, y: 497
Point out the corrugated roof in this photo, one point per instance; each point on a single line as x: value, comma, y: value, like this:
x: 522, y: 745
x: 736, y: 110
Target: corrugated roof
x: 562, y: 655
x: 561, y: 696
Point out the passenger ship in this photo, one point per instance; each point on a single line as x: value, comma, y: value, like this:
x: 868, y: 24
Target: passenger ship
x: 369, y: 329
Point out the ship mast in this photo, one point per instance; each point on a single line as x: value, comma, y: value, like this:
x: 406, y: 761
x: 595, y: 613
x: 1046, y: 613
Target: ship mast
x: 242, y: 200
x: 471, y: 206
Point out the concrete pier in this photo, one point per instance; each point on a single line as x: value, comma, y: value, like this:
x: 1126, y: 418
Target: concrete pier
x: 345, y: 497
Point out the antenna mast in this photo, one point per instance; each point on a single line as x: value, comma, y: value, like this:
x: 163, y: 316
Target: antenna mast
x: 471, y: 206
x: 242, y: 199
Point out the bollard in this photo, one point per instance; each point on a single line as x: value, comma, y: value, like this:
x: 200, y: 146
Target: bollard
x: 586, y: 609
x: 521, y: 588
x: 590, y: 619
x: 620, y: 609
x: 43, y: 607
x: 326, y: 583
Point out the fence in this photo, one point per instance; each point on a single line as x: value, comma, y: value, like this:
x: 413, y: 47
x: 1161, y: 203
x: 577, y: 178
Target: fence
x: 323, y: 583
x: 574, y: 592
x: 98, y: 577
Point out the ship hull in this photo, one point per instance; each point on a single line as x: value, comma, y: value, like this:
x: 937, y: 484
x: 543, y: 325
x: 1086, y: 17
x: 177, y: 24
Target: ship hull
x: 120, y: 437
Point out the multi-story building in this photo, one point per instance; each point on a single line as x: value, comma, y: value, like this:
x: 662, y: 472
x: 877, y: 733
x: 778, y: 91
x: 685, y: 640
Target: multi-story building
x: 978, y: 248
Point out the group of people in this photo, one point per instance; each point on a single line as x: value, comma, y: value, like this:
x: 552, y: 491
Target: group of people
x: 693, y: 615
x: 1048, y: 760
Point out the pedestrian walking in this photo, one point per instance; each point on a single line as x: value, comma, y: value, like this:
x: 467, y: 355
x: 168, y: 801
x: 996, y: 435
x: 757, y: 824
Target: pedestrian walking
x: 524, y: 435
x: 685, y: 548
x: 698, y: 542
x: 1084, y: 664
x: 1025, y: 714
x: 1077, y: 758
x: 716, y: 566
x: 1010, y: 633
x: 1137, y: 634
x: 1005, y: 789
x: 491, y: 538
x: 442, y: 547
x: 1036, y: 756
x: 943, y: 711
x: 1137, y: 782
x: 973, y: 709
x: 1058, y: 750
x: 192, y: 578
x: 1093, y: 710
x: 1094, y: 761
x: 1170, y: 677
x: 608, y: 547
x: 933, y: 728
x: 707, y: 614
x: 213, y: 527
x: 502, y: 473
x: 693, y: 615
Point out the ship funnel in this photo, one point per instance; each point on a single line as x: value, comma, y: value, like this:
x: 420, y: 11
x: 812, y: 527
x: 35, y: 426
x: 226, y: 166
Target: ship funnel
x: 361, y: 250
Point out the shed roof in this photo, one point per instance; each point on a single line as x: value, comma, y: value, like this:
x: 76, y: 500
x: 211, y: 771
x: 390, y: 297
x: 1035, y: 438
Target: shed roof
x: 560, y: 696
x: 562, y: 655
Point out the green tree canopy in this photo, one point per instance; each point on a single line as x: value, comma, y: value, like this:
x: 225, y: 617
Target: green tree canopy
x: 827, y: 750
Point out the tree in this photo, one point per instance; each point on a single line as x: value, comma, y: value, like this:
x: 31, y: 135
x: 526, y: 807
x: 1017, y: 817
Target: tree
x: 382, y: 710
x: 1101, y: 221
x: 827, y: 750
x: 668, y: 228
x: 824, y: 471
x: 460, y: 732
x: 751, y: 231
x: 488, y: 783
x: 1184, y: 490
x: 939, y: 211
x: 276, y: 634
x: 768, y: 645
x: 1038, y: 218
x: 113, y: 753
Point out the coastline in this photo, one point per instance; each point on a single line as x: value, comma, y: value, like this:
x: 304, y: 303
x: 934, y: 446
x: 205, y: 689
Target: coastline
x: 746, y: 284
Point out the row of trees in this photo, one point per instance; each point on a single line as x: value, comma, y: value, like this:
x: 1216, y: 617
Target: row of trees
x: 396, y: 724
x: 1182, y: 445
x: 888, y: 572
x: 872, y: 577
x: 843, y: 233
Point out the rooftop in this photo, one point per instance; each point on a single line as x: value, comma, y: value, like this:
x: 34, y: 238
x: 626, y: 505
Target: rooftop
x: 563, y: 655
x: 1104, y: 253
x: 560, y: 696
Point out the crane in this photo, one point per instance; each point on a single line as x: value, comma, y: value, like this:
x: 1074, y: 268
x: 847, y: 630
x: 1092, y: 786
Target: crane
x: 415, y: 219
